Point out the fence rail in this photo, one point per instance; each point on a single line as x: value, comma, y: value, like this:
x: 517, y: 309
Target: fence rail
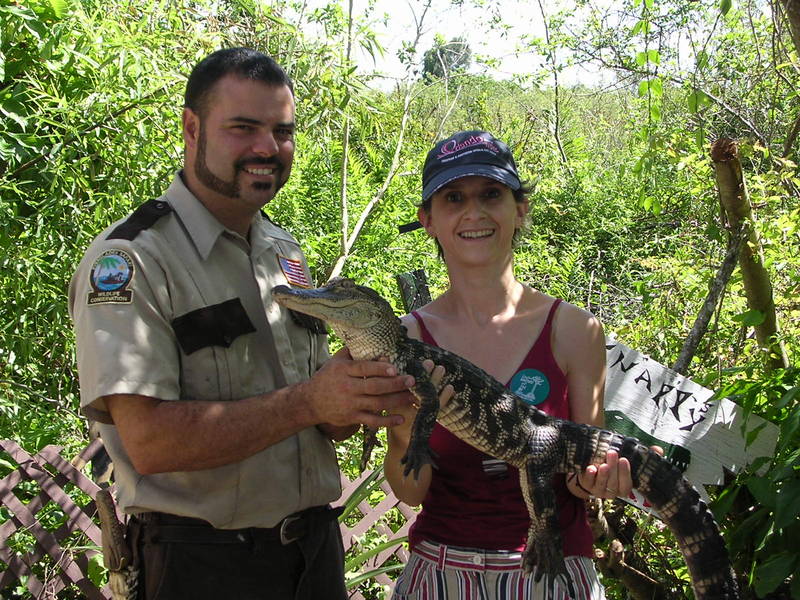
x: 48, y: 498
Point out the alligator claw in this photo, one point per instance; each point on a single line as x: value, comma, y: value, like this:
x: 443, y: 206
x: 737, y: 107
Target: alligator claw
x: 542, y: 560
x: 414, y: 461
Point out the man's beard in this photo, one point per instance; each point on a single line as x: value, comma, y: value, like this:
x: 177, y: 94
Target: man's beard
x: 232, y: 189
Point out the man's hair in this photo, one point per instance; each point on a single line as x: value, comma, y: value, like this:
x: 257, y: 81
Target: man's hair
x: 243, y: 62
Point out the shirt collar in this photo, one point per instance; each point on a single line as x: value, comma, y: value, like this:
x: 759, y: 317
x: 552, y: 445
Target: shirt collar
x: 204, y: 228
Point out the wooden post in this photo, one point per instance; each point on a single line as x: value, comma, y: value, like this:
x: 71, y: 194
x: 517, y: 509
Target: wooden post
x: 757, y: 286
x: 413, y: 289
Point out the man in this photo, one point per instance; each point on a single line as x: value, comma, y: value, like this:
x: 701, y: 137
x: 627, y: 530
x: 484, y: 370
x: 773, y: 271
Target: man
x: 218, y: 405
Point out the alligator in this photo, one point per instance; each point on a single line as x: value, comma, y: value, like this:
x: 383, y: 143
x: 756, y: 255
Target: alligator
x: 485, y: 414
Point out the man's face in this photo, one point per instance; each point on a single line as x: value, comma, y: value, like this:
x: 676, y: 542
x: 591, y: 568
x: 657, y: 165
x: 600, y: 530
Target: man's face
x: 241, y: 146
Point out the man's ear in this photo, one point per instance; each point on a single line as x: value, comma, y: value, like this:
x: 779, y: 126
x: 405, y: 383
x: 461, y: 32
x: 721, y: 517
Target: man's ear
x: 191, y: 127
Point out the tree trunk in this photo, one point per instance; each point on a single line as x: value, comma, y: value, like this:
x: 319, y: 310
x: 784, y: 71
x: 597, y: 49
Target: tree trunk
x: 792, y: 9
x: 707, y: 310
x: 758, y: 288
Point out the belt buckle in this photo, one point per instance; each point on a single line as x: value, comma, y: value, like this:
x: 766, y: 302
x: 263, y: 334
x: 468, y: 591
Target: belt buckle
x: 285, y: 539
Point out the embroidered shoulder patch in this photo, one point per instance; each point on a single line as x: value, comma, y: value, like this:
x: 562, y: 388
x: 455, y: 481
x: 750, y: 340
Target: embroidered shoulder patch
x: 531, y: 385
x: 110, y: 276
x: 294, y: 271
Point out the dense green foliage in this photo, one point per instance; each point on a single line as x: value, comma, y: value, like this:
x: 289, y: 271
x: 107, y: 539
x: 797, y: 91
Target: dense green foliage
x: 624, y: 214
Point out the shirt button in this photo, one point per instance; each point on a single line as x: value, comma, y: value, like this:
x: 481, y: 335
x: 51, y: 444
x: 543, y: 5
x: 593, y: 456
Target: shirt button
x: 476, y: 560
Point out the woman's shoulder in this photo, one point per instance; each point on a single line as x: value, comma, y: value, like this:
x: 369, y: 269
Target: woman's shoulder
x: 566, y: 311
x: 411, y: 324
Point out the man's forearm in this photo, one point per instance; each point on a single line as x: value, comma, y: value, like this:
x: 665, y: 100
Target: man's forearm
x: 164, y: 436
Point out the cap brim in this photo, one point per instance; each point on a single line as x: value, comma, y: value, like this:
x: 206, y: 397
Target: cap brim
x: 498, y: 174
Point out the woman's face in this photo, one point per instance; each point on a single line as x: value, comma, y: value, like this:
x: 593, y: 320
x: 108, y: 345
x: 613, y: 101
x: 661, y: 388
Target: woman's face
x: 474, y: 219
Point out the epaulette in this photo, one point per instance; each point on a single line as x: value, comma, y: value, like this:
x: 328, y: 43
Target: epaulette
x: 142, y: 218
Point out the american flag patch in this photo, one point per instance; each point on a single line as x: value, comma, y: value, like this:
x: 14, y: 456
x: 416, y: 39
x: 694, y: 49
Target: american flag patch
x: 294, y: 272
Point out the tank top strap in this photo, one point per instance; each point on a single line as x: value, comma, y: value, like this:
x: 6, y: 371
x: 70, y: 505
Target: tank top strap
x: 545, y: 336
x: 423, y: 329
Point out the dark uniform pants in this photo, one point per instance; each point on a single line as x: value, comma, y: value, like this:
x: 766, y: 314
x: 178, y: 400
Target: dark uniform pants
x: 187, y: 559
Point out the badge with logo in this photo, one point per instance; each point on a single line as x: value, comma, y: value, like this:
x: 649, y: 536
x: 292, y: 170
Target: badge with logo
x: 531, y: 385
x: 294, y: 272
x: 111, y: 274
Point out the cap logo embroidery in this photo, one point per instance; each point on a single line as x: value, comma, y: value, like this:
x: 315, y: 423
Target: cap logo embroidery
x: 294, y: 272
x: 110, y: 276
x: 453, y: 146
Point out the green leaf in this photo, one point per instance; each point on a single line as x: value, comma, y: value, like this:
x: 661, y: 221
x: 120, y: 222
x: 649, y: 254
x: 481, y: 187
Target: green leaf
x: 644, y: 87
x: 750, y: 318
x: 96, y: 569
x: 656, y: 87
x: 725, y: 6
x: 641, y: 58
x: 774, y: 571
x: 59, y: 8
x: 363, y: 557
x: 692, y: 102
x: 654, y: 57
x: 787, y: 398
x: 700, y: 138
x: 655, y: 112
x: 788, y: 503
x: 722, y: 505
x: 355, y: 581
x: 763, y: 490
x: 789, y: 429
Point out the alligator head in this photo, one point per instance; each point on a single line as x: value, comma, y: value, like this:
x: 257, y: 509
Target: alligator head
x: 359, y: 315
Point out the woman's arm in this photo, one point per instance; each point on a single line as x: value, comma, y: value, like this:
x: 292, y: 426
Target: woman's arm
x: 406, y: 488
x: 579, y: 347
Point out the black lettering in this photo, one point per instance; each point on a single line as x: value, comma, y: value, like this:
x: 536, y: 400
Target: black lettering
x: 700, y: 417
x: 665, y: 389
x: 622, y: 365
x: 682, y: 397
x: 645, y: 376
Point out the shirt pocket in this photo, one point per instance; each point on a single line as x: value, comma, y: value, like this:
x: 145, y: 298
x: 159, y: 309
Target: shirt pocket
x: 208, y: 361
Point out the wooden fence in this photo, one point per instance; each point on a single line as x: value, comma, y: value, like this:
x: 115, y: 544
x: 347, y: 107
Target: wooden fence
x: 49, y: 530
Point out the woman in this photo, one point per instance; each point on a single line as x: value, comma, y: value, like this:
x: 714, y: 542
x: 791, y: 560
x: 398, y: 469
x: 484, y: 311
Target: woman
x: 473, y: 524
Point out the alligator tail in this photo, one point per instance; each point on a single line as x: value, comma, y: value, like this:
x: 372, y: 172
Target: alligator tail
x: 680, y: 506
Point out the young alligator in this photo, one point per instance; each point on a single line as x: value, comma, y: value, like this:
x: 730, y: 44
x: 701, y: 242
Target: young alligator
x: 486, y: 415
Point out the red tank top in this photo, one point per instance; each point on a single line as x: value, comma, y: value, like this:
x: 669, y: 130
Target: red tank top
x: 474, y: 500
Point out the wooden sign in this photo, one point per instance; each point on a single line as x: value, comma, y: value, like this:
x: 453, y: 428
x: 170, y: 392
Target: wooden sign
x: 701, y: 436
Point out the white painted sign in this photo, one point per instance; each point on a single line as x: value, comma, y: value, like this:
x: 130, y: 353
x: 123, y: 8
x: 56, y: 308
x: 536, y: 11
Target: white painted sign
x: 653, y: 403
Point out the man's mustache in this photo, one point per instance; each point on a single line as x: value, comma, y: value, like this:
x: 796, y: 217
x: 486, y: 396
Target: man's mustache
x: 258, y: 162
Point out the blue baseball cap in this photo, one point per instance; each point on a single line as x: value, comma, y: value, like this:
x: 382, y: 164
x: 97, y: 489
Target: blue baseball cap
x: 468, y: 153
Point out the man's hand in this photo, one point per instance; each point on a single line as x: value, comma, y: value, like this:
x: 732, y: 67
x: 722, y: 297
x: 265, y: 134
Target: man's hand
x: 345, y: 392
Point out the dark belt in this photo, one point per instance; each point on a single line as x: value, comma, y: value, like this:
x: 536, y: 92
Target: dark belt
x: 167, y: 528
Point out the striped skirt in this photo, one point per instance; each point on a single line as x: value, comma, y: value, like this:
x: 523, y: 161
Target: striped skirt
x: 438, y: 572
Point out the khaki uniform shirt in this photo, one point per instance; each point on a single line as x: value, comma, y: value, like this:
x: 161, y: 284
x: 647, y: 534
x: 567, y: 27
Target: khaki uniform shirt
x: 183, y: 311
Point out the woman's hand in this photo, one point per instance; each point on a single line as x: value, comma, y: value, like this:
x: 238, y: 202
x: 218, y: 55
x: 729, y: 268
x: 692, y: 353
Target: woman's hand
x: 612, y: 479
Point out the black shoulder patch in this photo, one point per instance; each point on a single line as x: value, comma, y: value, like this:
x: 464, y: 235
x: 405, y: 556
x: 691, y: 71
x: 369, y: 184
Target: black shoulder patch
x: 142, y: 218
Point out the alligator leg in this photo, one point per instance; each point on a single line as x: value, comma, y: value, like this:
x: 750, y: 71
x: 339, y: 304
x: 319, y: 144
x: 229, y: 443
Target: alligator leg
x: 419, y: 452
x: 370, y: 441
x: 544, y: 550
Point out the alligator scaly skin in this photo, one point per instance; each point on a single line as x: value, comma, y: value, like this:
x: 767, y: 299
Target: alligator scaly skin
x: 483, y: 413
